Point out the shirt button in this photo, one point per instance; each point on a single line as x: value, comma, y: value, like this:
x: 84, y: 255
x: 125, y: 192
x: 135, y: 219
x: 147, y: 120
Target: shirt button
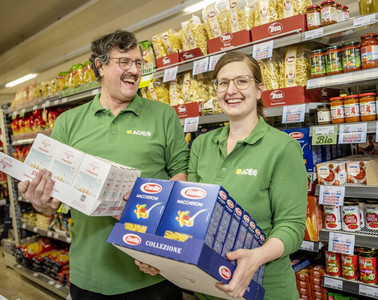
x: 224, y: 169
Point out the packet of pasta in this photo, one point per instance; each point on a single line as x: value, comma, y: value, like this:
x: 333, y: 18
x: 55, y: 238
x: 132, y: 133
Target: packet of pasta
x: 289, y: 8
x: 267, y: 11
x: 171, y: 41
x: 216, y: 18
x: 158, y: 91
x: 297, y: 67
x: 194, y: 34
x: 158, y: 46
x: 175, y: 94
x: 238, y: 15
x: 273, y: 72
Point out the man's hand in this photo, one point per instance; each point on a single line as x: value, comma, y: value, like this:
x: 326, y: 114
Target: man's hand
x: 38, y: 192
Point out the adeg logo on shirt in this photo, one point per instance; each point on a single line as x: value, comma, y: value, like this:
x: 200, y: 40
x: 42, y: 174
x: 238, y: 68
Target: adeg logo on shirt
x: 138, y: 132
x: 250, y: 172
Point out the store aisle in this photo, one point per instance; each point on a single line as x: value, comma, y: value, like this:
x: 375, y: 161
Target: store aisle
x: 16, y: 287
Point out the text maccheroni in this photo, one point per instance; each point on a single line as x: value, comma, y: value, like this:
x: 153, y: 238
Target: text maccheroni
x: 164, y: 247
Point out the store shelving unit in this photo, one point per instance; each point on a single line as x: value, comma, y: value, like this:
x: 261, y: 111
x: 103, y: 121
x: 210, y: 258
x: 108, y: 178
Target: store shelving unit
x: 333, y: 34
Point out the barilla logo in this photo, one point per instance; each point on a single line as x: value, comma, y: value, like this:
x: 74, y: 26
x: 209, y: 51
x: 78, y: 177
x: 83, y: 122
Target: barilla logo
x: 277, y: 95
x: 258, y: 232
x: 297, y: 135
x: 225, y: 272
x: 262, y: 238
x: 181, y: 109
x: 246, y: 218
x: 151, y: 188
x: 223, y: 195
x: 238, y: 211
x: 166, y: 60
x: 226, y: 37
x: 193, y: 193
x: 275, y: 28
x: 290, y: 59
x: 132, y: 239
x: 252, y: 225
x: 187, y: 55
x: 230, y: 203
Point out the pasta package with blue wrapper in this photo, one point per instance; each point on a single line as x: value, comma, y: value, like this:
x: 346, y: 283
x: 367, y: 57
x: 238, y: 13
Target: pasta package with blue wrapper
x: 185, y: 229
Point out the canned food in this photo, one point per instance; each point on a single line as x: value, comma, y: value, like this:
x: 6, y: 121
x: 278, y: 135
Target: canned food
x: 333, y: 265
x: 332, y: 217
x: 367, y: 262
x: 371, y: 214
x: 350, y: 214
x: 349, y: 264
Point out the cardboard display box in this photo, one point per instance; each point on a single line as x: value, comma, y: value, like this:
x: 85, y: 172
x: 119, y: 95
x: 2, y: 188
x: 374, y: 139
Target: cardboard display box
x: 228, y: 40
x: 296, y: 95
x: 290, y: 25
x: 191, y: 265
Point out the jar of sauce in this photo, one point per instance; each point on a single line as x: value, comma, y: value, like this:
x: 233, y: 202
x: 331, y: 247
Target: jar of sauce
x: 328, y: 12
x: 345, y: 12
x: 351, y: 56
x: 337, y: 110
x: 313, y: 17
x: 318, y: 63
x: 324, y: 114
x: 351, y: 108
x: 368, y: 109
x: 369, y: 50
x: 334, y: 60
x: 339, y: 12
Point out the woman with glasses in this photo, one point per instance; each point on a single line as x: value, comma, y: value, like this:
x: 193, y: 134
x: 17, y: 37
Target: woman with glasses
x: 262, y: 169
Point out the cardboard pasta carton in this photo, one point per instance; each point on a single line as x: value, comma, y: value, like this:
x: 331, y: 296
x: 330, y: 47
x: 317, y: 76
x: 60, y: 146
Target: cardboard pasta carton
x: 183, y: 246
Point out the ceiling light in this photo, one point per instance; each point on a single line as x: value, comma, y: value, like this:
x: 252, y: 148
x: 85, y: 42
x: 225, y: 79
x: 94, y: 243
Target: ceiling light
x: 198, y: 6
x: 21, y: 80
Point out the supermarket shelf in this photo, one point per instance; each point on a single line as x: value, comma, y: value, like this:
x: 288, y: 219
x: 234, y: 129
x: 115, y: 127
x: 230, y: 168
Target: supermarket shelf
x: 350, y: 286
x: 343, y: 80
x: 363, y: 238
x: 311, y: 246
x: 371, y: 126
x: 357, y: 191
x: 48, y: 233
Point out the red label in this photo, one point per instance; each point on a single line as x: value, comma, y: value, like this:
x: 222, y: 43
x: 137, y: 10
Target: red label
x: 223, y: 195
x: 277, y: 95
x: 193, y: 193
x: 252, y: 225
x: 297, y: 135
x: 275, y: 28
x: 238, y: 211
x: 132, y: 239
x: 230, y: 204
x: 246, y: 218
x: 226, y: 37
x: 151, y: 188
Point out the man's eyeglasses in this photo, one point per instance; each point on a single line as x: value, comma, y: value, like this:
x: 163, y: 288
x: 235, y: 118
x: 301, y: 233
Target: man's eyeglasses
x: 126, y: 63
x: 240, y: 82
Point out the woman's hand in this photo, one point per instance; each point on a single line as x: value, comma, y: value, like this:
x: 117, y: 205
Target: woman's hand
x: 247, y: 262
x: 38, y: 192
x: 147, y: 268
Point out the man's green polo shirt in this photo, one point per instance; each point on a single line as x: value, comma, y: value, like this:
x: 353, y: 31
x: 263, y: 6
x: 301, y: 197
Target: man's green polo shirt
x: 147, y: 135
x: 265, y: 174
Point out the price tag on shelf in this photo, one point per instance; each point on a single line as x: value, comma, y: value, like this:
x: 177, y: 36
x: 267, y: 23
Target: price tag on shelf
x: 201, y: 66
x: 14, y: 115
x: 49, y: 233
x: 191, y: 124
x: 333, y: 283
x: 262, y: 50
x: 313, y: 34
x: 369, y: 291
x: 58, y: 286
x: 170, y: 74
x: 145, y: 81
x: 56, y: 236
x: 68, y: 240
x: 352, y: 133
x: 22, y: 113
x: 35, y: 107
x: 56, y: 102
x: 364, y: 20
x: 308, y: 246
x: 293, y: 113
x: 341, y: 243
x: 331, y: 195
x: 35, y: 229
x: 64, y: 100
x: 343, y: 78
x: 324, y: 135
x: 51, y: 282
x: 35, y: 274
x: 95, y: 91
x: 213, y: 61
x: 46, y: 104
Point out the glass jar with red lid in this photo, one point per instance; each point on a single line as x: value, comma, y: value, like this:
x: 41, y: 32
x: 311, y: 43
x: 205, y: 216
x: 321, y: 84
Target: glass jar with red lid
x: 313, y: 17
x: 369, y: 50
x: 328, y: 12
x: 345, y: 12
x: 352, y: 108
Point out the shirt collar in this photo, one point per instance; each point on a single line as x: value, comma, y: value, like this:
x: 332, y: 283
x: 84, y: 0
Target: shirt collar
x: 257, y: 133
x: 135, y: 105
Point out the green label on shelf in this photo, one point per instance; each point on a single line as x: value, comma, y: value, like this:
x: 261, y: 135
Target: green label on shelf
x: 324, y: 135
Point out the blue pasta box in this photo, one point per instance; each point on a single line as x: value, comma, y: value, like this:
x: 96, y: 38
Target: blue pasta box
x: 242, y: 232
x: 312, y: 155
x: 146, y: 204
x: 190, y: 264
x: 194, y: 211
x: 233, y: 229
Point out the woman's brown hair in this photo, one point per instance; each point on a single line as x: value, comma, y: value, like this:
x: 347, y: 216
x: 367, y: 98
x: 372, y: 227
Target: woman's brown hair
x: 230, y: 57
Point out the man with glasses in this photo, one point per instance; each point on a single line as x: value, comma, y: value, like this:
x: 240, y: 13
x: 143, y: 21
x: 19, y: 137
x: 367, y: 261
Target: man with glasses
x: 120, y: 126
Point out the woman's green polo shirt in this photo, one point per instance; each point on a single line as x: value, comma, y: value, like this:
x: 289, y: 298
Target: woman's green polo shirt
x: 265, y: 174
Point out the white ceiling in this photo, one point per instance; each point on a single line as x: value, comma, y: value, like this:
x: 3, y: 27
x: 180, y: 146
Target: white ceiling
x: 49, y: 36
